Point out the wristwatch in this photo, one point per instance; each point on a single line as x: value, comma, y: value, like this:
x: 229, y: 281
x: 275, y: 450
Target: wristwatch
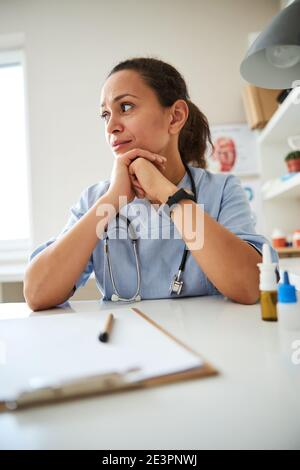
x: 182, y: 193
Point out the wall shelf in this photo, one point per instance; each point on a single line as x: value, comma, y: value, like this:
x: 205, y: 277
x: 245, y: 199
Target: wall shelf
x: 285, y: 121
x: 280, y: 198
x: 288, y: 252
x: 287, y: 189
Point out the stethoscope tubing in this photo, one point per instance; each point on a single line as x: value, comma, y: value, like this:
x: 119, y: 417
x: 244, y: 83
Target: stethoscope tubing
x: 136, y: 297
x: 116, y: 292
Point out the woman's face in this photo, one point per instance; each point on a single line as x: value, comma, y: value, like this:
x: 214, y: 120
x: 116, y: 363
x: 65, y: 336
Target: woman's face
x: 139, y: 119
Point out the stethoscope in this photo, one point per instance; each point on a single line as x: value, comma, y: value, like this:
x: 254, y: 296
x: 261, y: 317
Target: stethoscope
x: 177, y: 282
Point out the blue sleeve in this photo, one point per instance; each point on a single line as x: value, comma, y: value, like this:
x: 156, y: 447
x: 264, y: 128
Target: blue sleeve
x: 235, y: 214
x: 87, y: 198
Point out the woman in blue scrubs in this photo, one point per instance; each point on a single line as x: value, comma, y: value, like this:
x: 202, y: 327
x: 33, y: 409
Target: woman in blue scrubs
x: 205, y: 244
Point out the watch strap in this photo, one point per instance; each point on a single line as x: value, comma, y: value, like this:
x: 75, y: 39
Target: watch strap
x: 179, y: 196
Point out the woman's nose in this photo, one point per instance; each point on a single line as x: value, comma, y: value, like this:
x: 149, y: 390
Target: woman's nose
x: 114, y: 124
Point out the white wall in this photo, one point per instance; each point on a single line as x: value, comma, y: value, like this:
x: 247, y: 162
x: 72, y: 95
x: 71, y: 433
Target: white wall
x: 71, y: 45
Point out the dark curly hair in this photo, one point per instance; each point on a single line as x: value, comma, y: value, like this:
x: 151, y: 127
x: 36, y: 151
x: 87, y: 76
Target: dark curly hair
x: 169, y: 86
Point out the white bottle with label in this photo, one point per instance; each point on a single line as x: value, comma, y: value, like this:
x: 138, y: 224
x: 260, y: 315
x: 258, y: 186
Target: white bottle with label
x: 288, y: 308
x: 288, y: 311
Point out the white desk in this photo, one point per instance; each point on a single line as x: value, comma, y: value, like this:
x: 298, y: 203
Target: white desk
x: 253, y: 403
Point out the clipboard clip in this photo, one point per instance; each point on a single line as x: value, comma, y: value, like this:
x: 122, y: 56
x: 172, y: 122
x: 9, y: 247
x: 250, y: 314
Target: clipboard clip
x: 80, y: 387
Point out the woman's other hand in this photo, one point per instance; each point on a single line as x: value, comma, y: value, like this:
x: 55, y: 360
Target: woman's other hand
x: 149, y: 182
x: 121, y: 182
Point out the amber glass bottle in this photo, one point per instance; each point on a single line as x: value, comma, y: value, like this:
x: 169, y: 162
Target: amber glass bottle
x: 268, y: 286
x: 268, y: 305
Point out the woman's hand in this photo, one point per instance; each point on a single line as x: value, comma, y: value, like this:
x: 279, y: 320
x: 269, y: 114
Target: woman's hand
x: 149, y: 182
x: 120, y: 182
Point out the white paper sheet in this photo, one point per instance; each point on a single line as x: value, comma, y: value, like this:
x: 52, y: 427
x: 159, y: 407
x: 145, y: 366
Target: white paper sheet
x: 59, y: 347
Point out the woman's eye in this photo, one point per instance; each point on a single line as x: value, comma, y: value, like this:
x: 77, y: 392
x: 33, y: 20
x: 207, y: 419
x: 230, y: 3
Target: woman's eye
x: 126, y: 104
x: 105, y: 114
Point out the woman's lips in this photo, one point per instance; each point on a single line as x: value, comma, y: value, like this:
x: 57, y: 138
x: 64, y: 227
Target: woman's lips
x: 116, y: 147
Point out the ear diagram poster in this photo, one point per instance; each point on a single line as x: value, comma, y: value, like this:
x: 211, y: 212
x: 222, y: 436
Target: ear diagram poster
x: 235, y: 150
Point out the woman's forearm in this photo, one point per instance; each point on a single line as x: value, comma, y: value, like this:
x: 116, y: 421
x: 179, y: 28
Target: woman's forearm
x: 52, y: 274
x: 229, y: 262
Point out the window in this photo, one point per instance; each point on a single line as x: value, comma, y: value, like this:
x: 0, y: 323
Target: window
x: 14, y: 200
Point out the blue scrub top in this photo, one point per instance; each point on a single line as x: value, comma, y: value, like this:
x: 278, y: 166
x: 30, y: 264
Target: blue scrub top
x: 223, y: 198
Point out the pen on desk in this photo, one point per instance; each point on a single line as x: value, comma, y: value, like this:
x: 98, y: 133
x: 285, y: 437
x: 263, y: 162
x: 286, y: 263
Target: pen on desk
x: 104, y: 335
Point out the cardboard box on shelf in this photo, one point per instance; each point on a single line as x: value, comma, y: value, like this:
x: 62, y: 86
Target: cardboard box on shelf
x: 260, y: 104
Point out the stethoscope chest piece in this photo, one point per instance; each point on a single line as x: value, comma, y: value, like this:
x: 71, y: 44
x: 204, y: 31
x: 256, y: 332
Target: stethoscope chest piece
x: 117, y: 298
x: 176, y: 284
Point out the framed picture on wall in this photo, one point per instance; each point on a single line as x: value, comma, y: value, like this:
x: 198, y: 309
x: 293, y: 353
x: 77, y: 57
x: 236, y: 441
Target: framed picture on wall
x: 236, y: 150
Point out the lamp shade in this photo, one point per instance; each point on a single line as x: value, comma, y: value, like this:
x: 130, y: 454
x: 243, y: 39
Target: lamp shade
x: 273, y: 60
